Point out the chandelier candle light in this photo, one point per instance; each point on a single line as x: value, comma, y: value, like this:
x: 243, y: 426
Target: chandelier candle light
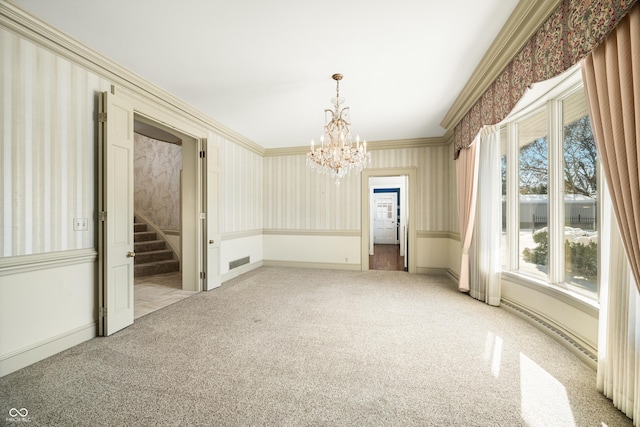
x: 337, y: 154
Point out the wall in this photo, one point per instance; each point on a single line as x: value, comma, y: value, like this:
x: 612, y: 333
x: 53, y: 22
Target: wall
x: 47, y: 169
x: 157, y: 167
x: 565, y: 316
x: 241, y: 208
x: 48, y: 176
x: 299, y: 202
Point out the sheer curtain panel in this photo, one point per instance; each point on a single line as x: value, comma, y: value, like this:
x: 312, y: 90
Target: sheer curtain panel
x: 484, y: 255
x: 618, y: 375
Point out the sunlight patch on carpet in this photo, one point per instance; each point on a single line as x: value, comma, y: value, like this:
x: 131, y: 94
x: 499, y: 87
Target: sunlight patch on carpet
x: 544, y: 399
x: 493, y: 352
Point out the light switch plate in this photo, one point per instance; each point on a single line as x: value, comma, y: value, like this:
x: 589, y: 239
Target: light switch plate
x: 80, y: 224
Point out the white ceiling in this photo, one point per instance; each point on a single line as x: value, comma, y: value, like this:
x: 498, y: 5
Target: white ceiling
x: 263, y: 68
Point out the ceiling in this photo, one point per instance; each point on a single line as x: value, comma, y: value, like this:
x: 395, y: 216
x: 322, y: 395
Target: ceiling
x: 263, y: 68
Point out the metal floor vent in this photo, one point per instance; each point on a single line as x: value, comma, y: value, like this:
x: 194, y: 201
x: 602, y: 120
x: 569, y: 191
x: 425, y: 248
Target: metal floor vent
x: 238, y: 262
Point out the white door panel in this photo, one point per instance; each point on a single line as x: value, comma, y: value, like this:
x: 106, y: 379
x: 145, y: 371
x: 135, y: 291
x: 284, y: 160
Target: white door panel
x: 385, y: 207
x: 117, y: 283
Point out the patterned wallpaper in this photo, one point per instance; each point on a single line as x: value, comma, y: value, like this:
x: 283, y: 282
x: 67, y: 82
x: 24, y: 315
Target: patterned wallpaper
x: 157, y: 169
x: 47, y: 151
x: 299, y: 199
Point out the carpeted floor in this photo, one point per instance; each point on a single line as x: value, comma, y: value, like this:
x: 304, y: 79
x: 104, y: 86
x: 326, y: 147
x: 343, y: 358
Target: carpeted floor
x: 297, y: 347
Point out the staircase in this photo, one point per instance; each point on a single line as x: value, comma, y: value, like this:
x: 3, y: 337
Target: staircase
x: 152, y: 254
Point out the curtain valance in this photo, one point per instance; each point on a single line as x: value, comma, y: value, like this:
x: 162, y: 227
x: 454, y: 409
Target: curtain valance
x: 573, y: 30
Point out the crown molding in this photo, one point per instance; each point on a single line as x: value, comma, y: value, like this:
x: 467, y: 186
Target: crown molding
x: 391, y: 144
x: 524, y: 21
x: 28, y: 26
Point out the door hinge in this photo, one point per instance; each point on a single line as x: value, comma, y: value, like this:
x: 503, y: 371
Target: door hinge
x: 202, y: 154
x: 102, y: 312
x: 102, y: 216
x: 203, y: 275
x: 102, y: 117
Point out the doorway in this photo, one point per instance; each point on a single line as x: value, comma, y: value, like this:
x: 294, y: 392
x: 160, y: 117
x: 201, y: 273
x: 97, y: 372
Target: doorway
x: 398, y: 234
x: 388, y: 220
x: 387, y: 216
x: 157, y: 225
x: 198, y: 206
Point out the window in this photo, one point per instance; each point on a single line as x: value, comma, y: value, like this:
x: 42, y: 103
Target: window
x: 533, y: 173
x: 550, y: 190
x: 580, y: 194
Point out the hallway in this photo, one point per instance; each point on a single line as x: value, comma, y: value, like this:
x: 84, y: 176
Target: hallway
x: 152, y: 293
x: 386, y: 257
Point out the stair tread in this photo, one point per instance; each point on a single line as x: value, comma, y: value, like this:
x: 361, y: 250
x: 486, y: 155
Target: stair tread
x: 153, y: 254
x: 164, y: 261
x: 155, y: 251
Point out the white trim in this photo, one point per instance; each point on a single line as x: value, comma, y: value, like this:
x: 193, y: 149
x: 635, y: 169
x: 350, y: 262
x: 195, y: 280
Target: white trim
x: 26, y: 263
x: 241, y: 234
x: 232, y: 274
x: 316, y: 265
x: 573, y: 299
x: 291, y: 232
x: 41, y: 350
x: 425, y: 234
x: 435, y: 271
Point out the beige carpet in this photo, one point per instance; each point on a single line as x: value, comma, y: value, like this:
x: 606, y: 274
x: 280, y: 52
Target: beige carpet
x: 294, y: 347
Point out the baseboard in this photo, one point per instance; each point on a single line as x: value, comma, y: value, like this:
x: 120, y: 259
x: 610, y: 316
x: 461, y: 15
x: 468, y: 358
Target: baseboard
x: 36, y: 352
x: 432, y: 270
x: 573, y: 343
x: 318, y: 265
x: 453, y: 275
x: 232, y: 274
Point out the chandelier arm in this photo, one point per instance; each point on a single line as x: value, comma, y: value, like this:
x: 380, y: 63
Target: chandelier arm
x: 338, y: 157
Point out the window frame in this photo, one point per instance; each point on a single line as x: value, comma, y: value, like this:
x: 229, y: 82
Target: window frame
x: 549, y: 96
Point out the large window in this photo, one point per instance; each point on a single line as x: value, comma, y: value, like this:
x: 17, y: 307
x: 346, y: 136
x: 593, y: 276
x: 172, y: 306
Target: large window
x: 550, y: 191
x: 580, y: 194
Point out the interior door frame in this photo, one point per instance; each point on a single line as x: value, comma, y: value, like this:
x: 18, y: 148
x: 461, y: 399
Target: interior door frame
x: 193, y: 217
x: 191, y: 189
x: 365, y: 222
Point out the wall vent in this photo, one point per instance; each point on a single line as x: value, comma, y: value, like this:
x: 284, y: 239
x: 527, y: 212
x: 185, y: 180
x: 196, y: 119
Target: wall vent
x: 587, y: 356
x: 238, y: 262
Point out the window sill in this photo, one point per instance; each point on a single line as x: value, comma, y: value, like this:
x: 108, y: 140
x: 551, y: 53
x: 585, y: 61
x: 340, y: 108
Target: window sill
x: 577, y: 300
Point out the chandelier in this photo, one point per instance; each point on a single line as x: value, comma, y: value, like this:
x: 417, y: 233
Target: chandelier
x: 337, y: 154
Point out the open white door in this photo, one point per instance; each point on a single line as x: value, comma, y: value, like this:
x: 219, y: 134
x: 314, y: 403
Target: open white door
x: 116, y: 302
x: 212, y: 202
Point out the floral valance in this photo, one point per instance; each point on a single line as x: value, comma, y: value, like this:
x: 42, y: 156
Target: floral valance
x: 573, y: 30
